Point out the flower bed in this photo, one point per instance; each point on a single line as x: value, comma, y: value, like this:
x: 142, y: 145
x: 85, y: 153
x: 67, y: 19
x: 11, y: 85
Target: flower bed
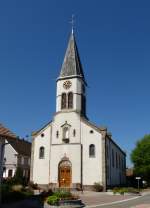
x: 63, y: 199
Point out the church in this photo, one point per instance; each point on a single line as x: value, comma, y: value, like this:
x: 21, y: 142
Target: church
x: 70, y: 151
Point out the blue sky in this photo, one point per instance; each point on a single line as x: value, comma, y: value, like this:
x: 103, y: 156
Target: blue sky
x: 113, y: 38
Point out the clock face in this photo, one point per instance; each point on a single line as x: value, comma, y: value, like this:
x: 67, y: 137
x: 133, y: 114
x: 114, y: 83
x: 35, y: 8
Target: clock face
x: 67, y: 84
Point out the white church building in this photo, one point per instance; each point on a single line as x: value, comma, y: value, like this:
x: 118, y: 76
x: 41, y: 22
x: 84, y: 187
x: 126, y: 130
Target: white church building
x: 70, y: 151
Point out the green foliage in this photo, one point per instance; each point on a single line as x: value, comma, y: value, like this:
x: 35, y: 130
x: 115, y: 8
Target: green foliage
x: 33, y: 185
x: 17, y: 187
x: 98, y: 187
x: 10, y: 195
x: 124, y: 190
x: 133, y: 190
x: 60, y: 195
x: 18, y: 178
x: 63, y: 194
x: 116, y: 190
x: 140, y: 157
x: 53, y: 200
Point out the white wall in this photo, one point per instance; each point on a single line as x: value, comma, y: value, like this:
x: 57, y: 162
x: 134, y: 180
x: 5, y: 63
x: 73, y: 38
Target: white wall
x: 76, y: 88
x: 71, y: 151
x: 73, y: 119
x: 41, y: 167
x: 10, y: 156
x: 92, y: 167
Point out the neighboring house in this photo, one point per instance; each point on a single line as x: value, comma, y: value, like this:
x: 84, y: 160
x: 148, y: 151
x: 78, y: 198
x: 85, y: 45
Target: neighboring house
x: 16, y: 154
x: 70, y: 151
x: 130, y: 177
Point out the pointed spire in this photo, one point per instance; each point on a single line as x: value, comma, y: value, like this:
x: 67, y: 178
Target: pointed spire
x: 71, y: 66
x: 72, y: 23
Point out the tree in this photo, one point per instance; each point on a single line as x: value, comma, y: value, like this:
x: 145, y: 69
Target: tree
x: 140, y: 157
x: 18, y: 178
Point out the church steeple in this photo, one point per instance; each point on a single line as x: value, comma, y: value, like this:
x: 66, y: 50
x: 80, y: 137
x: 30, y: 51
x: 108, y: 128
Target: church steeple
x: 71, y: 82
x: 72, y: 66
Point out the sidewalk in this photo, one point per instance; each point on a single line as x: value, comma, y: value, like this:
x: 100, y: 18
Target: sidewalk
x: 142, y: 206
x: 97, y: 198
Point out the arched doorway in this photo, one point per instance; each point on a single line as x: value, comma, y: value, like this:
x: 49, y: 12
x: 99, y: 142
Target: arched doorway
x: 65, y: 173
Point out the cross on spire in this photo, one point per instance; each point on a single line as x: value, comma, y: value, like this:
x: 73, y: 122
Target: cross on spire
x: 72, y: 23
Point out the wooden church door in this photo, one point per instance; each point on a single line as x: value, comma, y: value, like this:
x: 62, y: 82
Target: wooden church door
x: 65, y: 174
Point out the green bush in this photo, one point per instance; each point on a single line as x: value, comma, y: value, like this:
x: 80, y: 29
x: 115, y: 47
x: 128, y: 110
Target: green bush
x: 33, y: 185
x: 17, y: 187
x: 63, y: 194
x: 10, y: 194
x: 116, y: 190
x: 124, y: 190
x: 98, y: 187
x: 53, y: 200
x: 133, y: 190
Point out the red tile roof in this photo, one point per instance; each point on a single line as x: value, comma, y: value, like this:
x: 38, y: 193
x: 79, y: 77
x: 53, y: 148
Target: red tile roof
x: 6, y: 132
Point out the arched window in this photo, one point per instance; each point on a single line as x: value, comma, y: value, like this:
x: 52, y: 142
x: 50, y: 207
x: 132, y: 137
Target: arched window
x: 63, y: 101
x: 41, y: 152
x: 70, y: 100
x: 92, y: 150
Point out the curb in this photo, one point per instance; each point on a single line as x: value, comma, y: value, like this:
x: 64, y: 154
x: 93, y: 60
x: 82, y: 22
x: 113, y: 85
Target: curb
x: 111, y: 203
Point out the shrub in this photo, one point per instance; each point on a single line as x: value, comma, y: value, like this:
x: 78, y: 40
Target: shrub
x: 53, y: 200
x: 45, y: 194
x: 98, y: 187
x: 33, y: 185
x: 122, y: 191
x: 133, y: 190
x: 12, y: 193
x: 116, y: 190
x: 63, y: 194
x: 125, y: 190
x: 18, y: 177
x: 17, y: 187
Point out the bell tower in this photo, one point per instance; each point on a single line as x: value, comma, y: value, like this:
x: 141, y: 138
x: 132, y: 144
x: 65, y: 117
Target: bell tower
x: 71, y: 84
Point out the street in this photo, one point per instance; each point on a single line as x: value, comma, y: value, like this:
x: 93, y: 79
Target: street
x: 143, y: 200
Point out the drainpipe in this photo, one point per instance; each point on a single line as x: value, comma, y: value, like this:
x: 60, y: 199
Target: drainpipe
x: 82, y: 167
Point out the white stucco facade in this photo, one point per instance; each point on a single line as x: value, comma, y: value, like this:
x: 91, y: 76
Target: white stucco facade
x: 10, y: 160
x: 70, y: 150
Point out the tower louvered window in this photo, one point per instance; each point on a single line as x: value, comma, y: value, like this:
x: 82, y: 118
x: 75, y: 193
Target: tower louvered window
x: 70, y: 100
x: 63, y: 101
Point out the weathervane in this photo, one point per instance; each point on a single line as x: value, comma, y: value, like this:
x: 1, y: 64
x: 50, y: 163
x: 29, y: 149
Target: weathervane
x: 72, y: 23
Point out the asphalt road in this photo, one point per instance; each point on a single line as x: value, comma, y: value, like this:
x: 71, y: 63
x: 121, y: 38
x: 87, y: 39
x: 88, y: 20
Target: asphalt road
x: 128, y: 204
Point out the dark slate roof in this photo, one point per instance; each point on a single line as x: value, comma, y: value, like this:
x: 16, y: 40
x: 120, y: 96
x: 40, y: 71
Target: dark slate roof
x: 5, y: 131
x: 21, y: 146
x: 72, y: 64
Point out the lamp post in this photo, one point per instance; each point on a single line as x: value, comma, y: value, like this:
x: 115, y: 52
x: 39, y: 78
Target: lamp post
x: 138, y: 180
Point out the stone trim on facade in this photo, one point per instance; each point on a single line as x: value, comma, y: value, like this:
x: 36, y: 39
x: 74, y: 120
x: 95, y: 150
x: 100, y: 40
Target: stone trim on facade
x: 104, y: 169
x: 32, y: 159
